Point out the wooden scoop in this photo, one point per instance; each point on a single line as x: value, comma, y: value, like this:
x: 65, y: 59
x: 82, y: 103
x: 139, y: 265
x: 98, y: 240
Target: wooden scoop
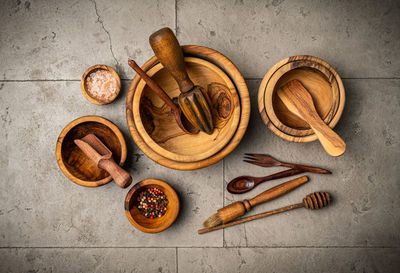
x: 193, y: 100
x: 181, y: 120
x: 299, y: 101
x: 93, y: 148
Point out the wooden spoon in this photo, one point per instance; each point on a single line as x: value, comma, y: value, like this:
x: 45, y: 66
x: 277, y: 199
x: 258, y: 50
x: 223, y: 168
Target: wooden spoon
x: 181, y: 120
x: 299, y: 101
x: 193, y: 100
x: 93, y: 148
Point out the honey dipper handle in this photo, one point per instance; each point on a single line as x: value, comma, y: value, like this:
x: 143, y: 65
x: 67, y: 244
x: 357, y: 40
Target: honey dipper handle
x: 153, y: 85
x: 121, y: 177
x: 169, y: 53
x: 251, y: 218
x: 277, y: 191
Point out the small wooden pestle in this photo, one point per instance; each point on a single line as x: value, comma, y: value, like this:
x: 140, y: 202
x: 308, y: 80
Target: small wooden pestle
x: 193, y: 100
x: 93, y: 148
x: 299, y: 101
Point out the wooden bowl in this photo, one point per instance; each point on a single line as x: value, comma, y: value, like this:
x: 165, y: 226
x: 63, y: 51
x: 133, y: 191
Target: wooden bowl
x: 142, y: 223
x: 319, y: 78
x: 95, y: 100
x: 157, y: 126
x: 231, y: 70
x: 75, y: 165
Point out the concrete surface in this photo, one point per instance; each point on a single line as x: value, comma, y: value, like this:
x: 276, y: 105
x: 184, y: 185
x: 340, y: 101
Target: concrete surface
x: 49, y: 224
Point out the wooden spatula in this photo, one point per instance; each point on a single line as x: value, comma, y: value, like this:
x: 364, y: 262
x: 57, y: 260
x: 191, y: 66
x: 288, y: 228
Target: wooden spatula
x: 299, y: 101
x: 193, y: 100
x: 93, y: 148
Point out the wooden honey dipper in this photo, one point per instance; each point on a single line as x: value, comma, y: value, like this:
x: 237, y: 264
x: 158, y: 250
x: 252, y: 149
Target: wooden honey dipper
x: 316, y: 200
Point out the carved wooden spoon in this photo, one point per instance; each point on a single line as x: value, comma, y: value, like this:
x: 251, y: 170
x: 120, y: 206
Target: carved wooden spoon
x: 299, y: 101
x: 181, y: 120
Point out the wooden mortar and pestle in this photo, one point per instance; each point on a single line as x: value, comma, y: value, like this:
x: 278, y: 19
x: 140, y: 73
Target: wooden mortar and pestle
x: 193, y: 100
x: 299, y: 101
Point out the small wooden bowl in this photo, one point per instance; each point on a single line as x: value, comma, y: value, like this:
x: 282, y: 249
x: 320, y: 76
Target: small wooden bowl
x: 142, y: 223
x: 97, y: 100
x: 158, y: 126
x: 75, y: 165
x: 319, y: 78
x: 232, y: 71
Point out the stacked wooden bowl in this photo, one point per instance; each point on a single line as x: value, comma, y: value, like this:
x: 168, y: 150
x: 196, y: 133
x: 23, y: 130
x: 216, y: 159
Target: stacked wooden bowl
x: 319, y: 78
x: 154, y: 129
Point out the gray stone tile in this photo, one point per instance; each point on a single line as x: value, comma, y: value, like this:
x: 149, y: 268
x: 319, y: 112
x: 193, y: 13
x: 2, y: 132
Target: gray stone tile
x: 88, y: 260
x: 358, y: 39
x: 60, y: 39
x: 288, y: 260
x: 39, y: 206
x: 364, y: 183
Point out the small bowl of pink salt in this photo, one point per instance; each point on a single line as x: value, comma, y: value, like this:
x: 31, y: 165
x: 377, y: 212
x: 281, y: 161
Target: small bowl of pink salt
x: 100, y: 84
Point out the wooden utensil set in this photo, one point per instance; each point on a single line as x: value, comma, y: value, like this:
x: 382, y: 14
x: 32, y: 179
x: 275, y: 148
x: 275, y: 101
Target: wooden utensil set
x: 296, y: 104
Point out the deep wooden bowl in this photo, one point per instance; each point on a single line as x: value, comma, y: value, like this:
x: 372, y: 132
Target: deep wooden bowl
x: 84, y: 87
x: 143, y: 223
x: 157, y: 126
x: 231, y: 70
x: 75, y: 165
x: 319, y: 78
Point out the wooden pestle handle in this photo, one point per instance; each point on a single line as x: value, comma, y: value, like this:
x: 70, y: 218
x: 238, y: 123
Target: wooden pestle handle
x: 121, y: 177
x: 277, y: 191
x: 153, y: 85
x: 168, y: 51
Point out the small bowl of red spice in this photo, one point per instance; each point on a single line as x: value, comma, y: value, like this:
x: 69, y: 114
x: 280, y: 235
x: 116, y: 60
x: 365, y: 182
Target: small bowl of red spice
x: 100, y: 84
x: 152, y: 205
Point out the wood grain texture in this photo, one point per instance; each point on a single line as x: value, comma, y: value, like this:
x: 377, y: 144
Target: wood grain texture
x: 75, y: 165
x: 231, y: 70
x: 193, y: 100
x: 93, y: 69
x: 319, y: 78
x: 158, y: 128
x: 299, y: 101
x: 142, y: 223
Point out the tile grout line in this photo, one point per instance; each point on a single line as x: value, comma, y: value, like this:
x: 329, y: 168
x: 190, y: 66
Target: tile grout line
x: 176, y: 17
x: 176, y: 259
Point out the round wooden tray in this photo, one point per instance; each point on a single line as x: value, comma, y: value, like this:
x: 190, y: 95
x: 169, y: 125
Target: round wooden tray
x: 231, y: 70
x: 320, y: 79
x: 75, y: 165
x: 158, y: 127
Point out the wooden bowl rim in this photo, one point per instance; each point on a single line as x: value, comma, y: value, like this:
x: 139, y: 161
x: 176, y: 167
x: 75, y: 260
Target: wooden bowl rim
x: 114, y: 74
x: 67, y: 129
x: 176, y: 156
x: 157, y: 182
x: 233, y: 72
x: 261, y: 99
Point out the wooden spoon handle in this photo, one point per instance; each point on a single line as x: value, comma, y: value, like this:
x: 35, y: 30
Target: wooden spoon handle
x: 277, y: 191
x: 169, y: 53
x: 121, y: 177
x: 153, y: 85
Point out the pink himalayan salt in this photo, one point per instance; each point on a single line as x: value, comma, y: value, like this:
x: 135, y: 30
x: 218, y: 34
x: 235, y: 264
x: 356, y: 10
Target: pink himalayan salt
x: 101, y: 85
